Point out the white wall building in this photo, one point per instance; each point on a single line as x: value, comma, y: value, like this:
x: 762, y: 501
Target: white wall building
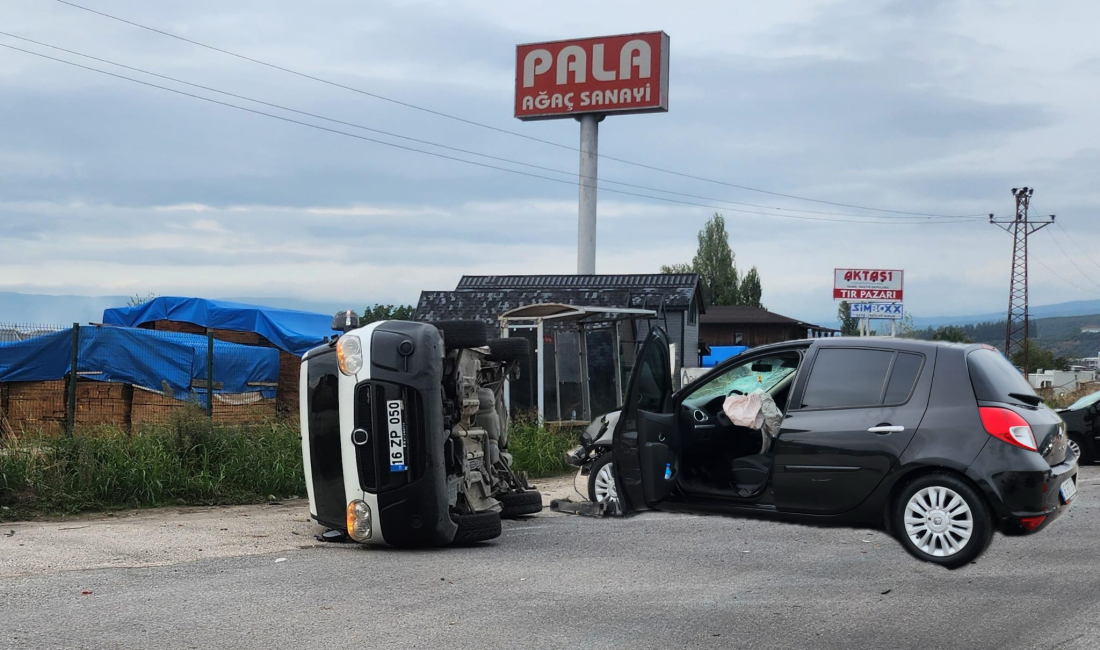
x: 1061, y: 381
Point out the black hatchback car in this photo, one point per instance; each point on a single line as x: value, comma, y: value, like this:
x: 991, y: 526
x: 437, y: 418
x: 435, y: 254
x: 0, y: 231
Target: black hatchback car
x: 1083, y: 424
x: 940, y: 444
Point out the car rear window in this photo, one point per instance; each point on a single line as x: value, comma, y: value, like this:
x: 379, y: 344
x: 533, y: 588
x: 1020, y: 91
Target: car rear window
x: 847, y: 377
x: 994, y: 377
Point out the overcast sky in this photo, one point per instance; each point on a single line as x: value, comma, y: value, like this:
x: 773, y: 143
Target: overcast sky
x: 109, y: 187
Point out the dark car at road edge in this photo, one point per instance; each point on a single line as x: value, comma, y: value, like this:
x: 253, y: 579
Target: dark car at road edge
x: 939, y: 444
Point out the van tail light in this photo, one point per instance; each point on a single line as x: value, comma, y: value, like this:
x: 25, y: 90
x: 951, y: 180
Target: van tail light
x: 1007, y: 425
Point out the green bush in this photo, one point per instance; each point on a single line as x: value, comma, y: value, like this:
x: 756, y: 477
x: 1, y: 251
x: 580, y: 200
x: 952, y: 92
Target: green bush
x: 538, y: 450
x: 190, y: 461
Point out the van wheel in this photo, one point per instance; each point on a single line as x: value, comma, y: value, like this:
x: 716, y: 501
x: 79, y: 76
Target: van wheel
x: 517, y: 504
x: 476, y: 527
x: 509, y: 349
x: 940, y: 519
x: 459, y: 334
x: 1082, y: 449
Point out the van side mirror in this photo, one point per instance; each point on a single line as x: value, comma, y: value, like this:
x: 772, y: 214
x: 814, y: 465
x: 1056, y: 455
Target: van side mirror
x: 345, y: 321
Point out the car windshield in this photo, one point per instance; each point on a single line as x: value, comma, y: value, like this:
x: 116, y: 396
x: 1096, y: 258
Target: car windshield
x: 763, y: 373
x: 1086, y: 401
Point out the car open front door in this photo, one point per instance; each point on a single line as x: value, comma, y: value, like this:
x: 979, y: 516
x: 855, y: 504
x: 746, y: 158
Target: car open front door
x: 646, y: 443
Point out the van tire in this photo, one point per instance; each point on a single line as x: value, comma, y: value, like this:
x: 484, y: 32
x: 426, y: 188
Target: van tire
x: 476, y: 527
x: 509, y: 349
x: 459, y: 334
x: 517, y: 504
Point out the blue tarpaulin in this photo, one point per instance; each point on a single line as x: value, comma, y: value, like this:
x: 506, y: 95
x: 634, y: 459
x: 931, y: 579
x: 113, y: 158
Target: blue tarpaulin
x: 166, y: 362
x: 296, y: 332
x: 719, y: 353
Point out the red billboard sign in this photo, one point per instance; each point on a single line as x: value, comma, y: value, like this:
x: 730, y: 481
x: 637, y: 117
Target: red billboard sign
x: 868, y: 285
x: 607, y: 74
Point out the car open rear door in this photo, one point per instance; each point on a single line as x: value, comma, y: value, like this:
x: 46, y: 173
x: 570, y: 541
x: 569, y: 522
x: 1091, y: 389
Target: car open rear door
x: 646, y: 442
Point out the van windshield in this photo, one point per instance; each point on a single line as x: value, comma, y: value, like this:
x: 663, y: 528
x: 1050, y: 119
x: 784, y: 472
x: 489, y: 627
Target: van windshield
x: 994, y: 378
x: 1086, y: 401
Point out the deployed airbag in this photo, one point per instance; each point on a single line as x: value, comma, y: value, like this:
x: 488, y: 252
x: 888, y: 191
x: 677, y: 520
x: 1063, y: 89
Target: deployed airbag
x: 757, y: 410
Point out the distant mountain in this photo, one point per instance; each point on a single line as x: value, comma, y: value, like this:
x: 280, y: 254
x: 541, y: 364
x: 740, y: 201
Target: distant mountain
x: 1075, y: 308
x: 38, y: 309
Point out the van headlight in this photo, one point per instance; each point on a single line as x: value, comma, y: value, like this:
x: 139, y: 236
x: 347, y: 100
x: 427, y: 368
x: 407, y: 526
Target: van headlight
x: 349, y: 353
x: 359, y: 521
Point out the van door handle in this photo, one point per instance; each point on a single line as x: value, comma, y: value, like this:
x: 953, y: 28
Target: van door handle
x: 886, y: 428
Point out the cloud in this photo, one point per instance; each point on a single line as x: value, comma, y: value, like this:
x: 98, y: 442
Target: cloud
x: 112, y: 187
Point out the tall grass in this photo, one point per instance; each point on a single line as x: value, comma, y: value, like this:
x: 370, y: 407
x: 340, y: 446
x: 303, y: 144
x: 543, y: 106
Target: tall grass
x: 539, y: 450
x: 190, y: 461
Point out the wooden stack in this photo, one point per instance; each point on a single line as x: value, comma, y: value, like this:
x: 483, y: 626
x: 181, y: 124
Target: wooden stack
x: 286, y: 395
x: 35, y: 406
x: 149, y: 407
x: 103, y: 403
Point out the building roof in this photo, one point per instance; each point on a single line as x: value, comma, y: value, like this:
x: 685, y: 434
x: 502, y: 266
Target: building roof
x: 746, y: 315
x: 486, y: 297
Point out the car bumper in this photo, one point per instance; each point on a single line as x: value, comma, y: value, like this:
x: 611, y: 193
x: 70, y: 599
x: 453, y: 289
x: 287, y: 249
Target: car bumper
x: 1025, y: 492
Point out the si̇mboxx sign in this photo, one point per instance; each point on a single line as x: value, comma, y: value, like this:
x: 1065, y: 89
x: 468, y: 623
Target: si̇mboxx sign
x: 878, y: 310
x: 607, y: 74
x: 867, y: 285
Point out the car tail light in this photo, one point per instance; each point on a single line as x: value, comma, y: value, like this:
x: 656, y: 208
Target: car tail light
x: 1007, y: 425
x: 1031, y: 523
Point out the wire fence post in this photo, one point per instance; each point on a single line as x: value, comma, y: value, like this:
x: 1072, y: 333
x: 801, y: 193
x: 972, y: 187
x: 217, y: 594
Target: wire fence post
x: 210, y: 373
x: 70, y: 413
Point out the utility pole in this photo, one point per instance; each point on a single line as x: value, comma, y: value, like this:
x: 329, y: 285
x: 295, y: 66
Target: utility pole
x: 1016, y: 330
x: 586, y: 222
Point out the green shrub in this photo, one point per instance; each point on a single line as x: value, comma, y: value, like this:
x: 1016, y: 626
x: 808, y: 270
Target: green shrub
x: 538, y: 450
x: 189, y: 461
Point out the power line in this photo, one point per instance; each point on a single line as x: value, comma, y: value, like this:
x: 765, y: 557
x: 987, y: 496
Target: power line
x: 436, y: 144
x: 1071, y: 260
x: 494, y: 128
x: 1079, y: 247
x: 463, y: 160
x: 1069, y: 282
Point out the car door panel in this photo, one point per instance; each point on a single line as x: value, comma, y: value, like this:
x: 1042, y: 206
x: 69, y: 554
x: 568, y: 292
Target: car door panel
x: 829, y: 460
x: 645, y: 437
x: 658, y: 454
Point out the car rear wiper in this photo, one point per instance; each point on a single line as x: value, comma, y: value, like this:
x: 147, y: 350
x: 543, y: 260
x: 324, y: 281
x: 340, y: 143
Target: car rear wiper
x: 1033, y: 400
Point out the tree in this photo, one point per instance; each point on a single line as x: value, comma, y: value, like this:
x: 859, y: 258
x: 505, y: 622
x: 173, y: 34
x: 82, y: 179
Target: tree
x: 848, y: 326
x: 386, y: 312
x: 714, y: 262
x: 749, y: 292
x: 677, y: 268
x: 951, y: 334
x: 907, y: 329
x: 138, y: 299
x: 1039, y: 358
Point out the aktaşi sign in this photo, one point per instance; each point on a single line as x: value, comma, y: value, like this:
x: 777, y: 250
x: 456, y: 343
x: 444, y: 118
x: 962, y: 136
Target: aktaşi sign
x: 877, y: 310
x: 607, y: 74
x: 867, y: 285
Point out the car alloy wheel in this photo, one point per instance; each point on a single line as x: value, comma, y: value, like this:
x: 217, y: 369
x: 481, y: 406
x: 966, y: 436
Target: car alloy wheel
x: 605, y: 484
x: 1075, y: 447
x: 938, y: 521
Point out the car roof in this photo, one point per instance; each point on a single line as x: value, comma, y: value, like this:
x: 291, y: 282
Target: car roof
x: 884, y: 342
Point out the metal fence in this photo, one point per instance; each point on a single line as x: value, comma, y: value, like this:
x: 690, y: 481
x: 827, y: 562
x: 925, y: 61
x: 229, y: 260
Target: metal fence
x: 60, y: 379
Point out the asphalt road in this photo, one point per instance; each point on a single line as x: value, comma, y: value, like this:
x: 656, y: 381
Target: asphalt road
x: 651, y: 581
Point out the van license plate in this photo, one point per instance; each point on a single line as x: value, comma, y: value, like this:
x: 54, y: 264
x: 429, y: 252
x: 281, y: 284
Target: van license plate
x: 1069, y: 490
x: 395, y: 421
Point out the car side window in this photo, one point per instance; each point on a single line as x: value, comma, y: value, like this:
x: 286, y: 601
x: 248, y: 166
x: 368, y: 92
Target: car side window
x: 847, y: 377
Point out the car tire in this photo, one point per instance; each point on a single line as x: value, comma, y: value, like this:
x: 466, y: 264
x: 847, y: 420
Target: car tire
x: 1085, y: 454
x: 459, y: 334
x: 940, y: 518
x: 517, y: 504
x: 476, y: 527
x: 601, y: 481
x: 509, y: 349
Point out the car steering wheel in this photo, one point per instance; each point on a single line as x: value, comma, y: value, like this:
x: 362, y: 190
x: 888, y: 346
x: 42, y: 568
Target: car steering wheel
x: 736, y: 392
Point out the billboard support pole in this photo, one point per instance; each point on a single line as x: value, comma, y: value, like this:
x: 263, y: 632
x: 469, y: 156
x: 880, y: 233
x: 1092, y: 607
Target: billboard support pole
x: 586, y: 221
